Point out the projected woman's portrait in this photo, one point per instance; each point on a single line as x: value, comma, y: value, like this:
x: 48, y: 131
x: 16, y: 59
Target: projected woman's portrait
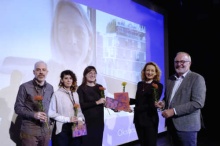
x: 72, y: 34
x: 72, y: 39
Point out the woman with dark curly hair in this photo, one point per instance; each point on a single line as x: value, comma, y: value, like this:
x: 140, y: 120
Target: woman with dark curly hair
x: 62, y: 110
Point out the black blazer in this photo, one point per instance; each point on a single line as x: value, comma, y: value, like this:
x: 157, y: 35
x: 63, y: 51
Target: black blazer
x: 144, y: 110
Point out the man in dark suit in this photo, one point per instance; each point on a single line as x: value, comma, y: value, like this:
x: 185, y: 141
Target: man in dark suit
x: 184, y: 98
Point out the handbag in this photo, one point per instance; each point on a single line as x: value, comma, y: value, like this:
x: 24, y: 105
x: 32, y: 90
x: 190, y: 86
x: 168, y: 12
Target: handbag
x: 79, y: 130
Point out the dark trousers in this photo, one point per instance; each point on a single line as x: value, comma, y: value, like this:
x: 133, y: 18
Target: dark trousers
x: 66, y: 139
x: 147, y: 135
x: 29, y: 140
x: 181, y: 138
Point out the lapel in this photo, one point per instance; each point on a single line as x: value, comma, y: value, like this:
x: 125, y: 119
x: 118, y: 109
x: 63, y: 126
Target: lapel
x: 170, y: 86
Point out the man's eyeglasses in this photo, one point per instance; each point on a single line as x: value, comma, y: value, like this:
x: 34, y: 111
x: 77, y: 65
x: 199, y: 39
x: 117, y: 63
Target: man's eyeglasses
x: 181, y: 62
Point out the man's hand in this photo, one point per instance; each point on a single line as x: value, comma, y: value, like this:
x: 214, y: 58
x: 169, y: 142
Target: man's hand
x: 168, y: 113
x: 41, y: 116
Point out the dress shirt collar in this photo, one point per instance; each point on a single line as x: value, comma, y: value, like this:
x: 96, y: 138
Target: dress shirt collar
x: 181, y: 77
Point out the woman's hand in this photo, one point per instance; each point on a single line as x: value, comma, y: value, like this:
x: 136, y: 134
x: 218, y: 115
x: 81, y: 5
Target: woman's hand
x: 80, y: 124
x: 159, y: 104
x: 128, y: 110
x: 101, y: 101
x: 73, y: 119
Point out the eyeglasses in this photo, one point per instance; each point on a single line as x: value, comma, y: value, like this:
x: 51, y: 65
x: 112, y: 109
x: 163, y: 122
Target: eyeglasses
x: 91, y: 74
x: 181, y: 62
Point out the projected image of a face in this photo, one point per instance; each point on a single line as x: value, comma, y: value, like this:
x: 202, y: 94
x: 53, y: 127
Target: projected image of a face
x: 72, y: 34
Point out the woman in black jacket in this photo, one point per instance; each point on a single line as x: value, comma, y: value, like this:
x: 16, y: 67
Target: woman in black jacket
x: 146, y: 117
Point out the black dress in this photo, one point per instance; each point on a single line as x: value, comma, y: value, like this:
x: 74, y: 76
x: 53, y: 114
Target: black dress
x: 94, y: 114
x: 146, y: 117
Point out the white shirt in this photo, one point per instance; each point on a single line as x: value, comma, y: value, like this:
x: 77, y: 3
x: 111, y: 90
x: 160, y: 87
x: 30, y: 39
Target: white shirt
x: 175, y: 88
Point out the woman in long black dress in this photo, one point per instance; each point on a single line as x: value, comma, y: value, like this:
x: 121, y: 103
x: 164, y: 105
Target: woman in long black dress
x: 146, y: 117
x: 92, y: 105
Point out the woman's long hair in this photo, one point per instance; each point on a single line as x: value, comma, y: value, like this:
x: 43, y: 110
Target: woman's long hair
x: 158, y: 72
x: 86, y: 71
